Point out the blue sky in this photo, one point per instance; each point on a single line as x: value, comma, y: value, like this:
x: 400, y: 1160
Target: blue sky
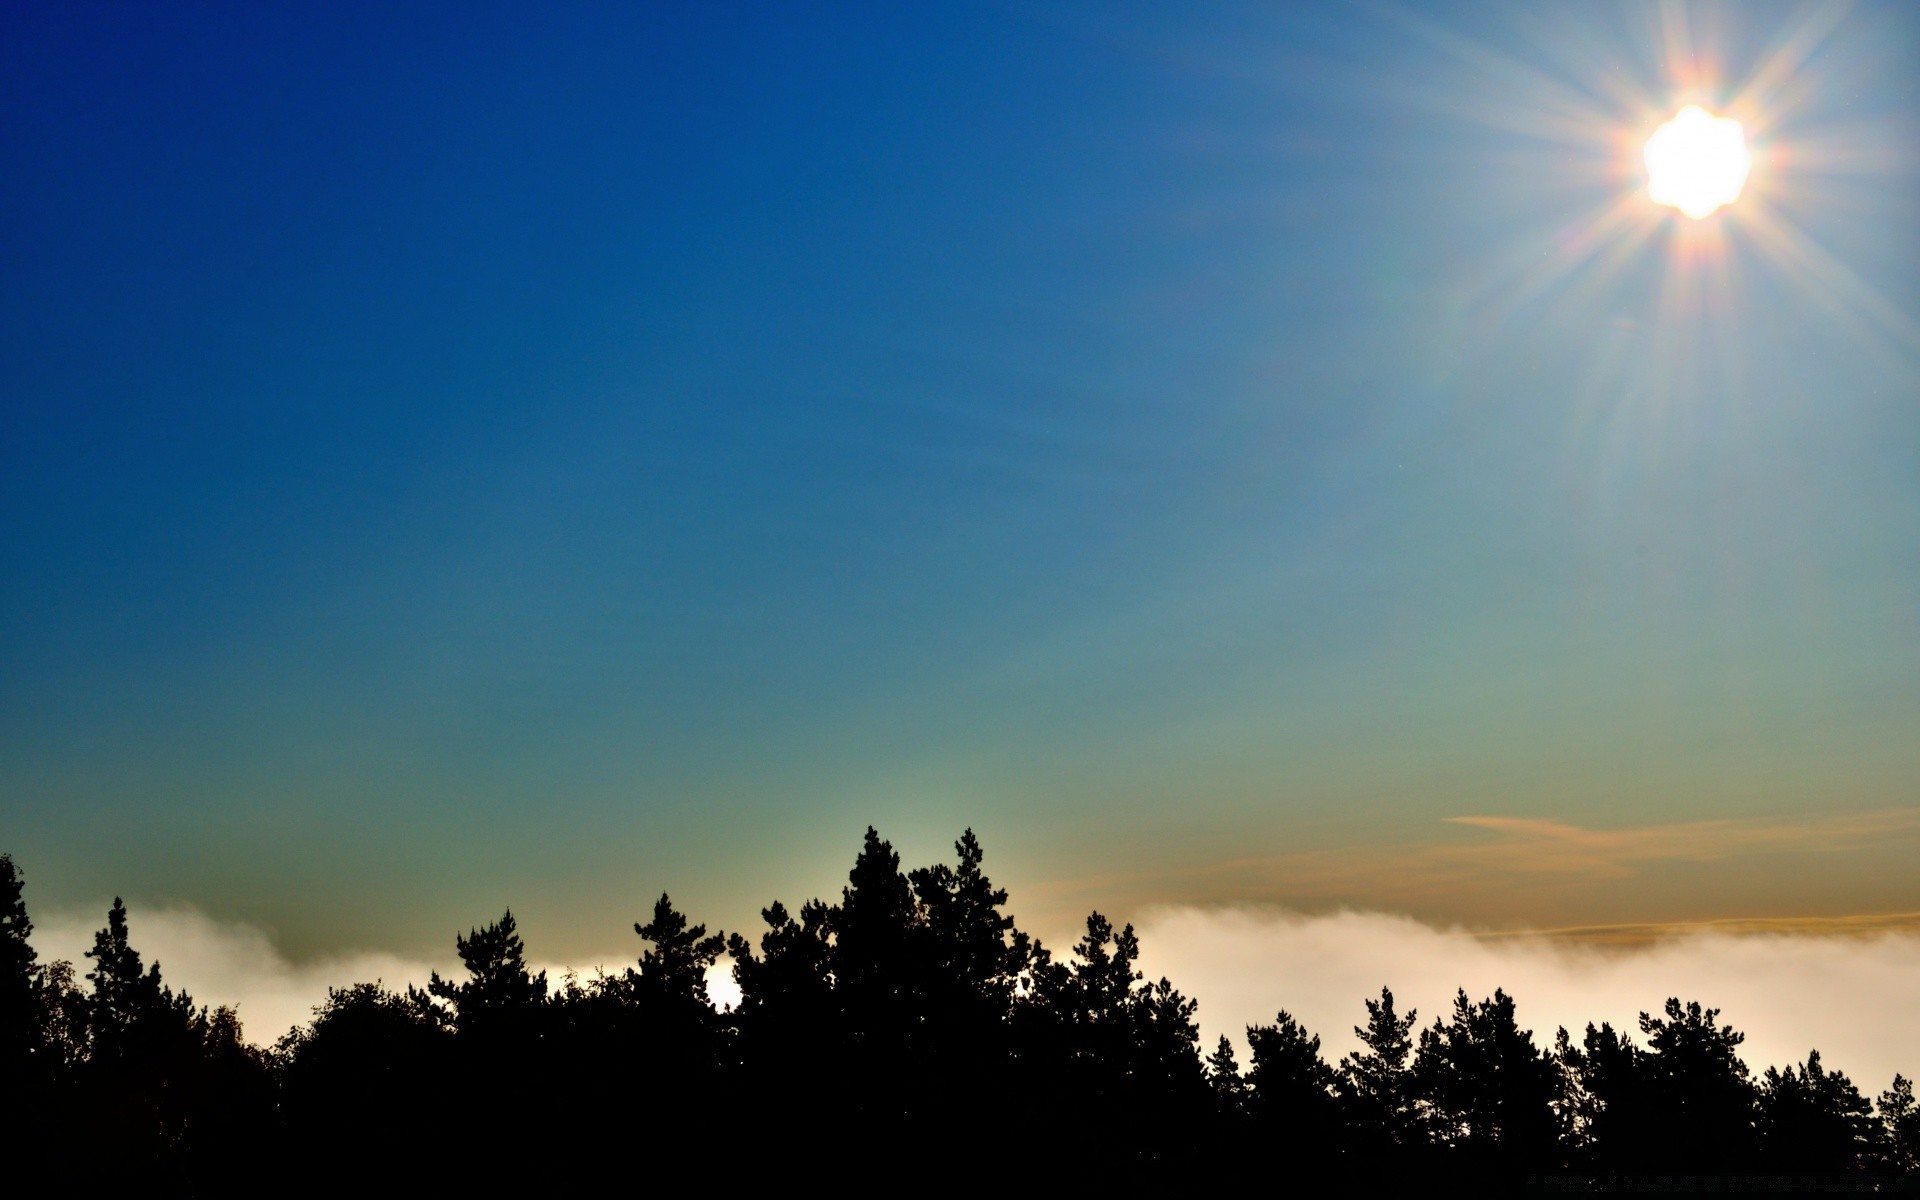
x: 465, y: 456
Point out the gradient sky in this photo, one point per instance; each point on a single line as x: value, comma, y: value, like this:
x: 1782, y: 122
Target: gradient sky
x: 462, y: 456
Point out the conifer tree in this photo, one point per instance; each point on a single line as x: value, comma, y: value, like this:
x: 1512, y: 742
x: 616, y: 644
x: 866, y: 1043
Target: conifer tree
x: 1488, y: 1090
x: 1605, y: 1104
x: 1900, y: 1126
x: 1223, y: 1075
x: 1701, y: 1103
x: 22, y: 1024
x: 1292, y: 1089
x: 1813, y: 1121
x: 676, y: 967
x: 498, y: 986
x: 1376, y: 1083
x: 873, y: 928
x: 976, y: 947
x: 131, y: 1014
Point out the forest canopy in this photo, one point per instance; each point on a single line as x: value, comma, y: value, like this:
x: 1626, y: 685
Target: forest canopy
x: 905, y: 1028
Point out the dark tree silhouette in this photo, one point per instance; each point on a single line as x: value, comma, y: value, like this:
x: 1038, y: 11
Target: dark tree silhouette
x: 364, y: 1085
x: 498, y: 988
x: 1489, y: 1092
x: 882, y: 976
x: 1900, y: 1127
x: 792, y: 978
x: 1812, y: 1121
x: 788, y: 1034
x: 1223, y: 1075
x: 498, y: 1071
x: 970, y: 958
x: 63, y: 1016
x: 1377, y: 1089
x: 977, y: 954
x: 675, y: 970
x: 1700, y: 1103
x: 22, y: 1023
x: 172, y: 1091
x: 657, y: 1023
x: 1293, y: 1093
x: 1606, y: 1100
x: 908, y: 1029
x: 1115, y: 1056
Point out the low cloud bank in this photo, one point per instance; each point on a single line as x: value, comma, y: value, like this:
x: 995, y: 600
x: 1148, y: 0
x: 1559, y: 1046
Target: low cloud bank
x: 1854, y: 998
x: 233, y: 963
x: 226, y: 962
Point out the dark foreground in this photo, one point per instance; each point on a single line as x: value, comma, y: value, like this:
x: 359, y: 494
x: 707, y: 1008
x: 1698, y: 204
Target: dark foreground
x: 907, y: 1038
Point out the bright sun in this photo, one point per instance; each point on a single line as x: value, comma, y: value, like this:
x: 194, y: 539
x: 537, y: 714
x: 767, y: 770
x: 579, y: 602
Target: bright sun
x: 1697, y: 162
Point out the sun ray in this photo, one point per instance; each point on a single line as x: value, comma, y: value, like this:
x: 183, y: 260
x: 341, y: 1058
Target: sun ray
x: 1826, y: 280
x: 1780, y: 85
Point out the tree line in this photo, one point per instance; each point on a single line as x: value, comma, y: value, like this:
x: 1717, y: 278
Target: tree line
x: 908, y: 1035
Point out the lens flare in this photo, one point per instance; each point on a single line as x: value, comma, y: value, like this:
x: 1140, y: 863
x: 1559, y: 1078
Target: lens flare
x: 1697, y: 162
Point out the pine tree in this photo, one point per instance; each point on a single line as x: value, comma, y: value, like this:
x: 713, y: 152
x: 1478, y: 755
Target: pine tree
x: 676, y: 967
x: 1377, y: 1085
x: 141, y: 1081
x: 1292, y: 1090
x: 873, y: 931
x: 132, y: 1017
x: 498, y: 987
x: 1701, y: 1105
x: 1900, y: 1126
x: 1125, y: 1053
x: 22, y: 1024
x: 1606, y: 1105
x: 975, y: 946
x: 1488, y: 1089
x: 1814, y: 1121
x: 1223, y: 1075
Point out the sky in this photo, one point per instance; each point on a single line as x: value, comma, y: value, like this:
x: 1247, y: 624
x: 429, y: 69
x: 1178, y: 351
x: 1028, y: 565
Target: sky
x: 455, y: 458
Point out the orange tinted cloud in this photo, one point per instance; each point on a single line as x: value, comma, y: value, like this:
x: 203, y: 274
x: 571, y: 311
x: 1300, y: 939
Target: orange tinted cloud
x: 1526, y: 872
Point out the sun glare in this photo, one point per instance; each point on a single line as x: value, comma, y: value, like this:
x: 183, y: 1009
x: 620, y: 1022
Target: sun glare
x: 1697, y: 162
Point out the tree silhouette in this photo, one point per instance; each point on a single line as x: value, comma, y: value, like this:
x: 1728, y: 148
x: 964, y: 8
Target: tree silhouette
x: 969, y: 958
x: 1293, y: 1097
x: 788, y: 1031
x: 1700, y: 1102
x: 1606, y: 1100
x: 1223, y: 1075
x: 1488, y: 1090
x: 172, y: 1091
x: 134, y: 1020
x: 498, y: 1070
x: 977, y: 952
x: 1814, y: 1121
x: 498, y: 988
x: 675, y: 970
x: 1900, y: 1127
x: 663, y: 1026
x: 912, y: 1026
x: 22, y: 1024
x: 1377, y: 1091
x: 1117, y: 1057
x: 365, y: 1085
x: 793, y: 976
x: 63, y: 1020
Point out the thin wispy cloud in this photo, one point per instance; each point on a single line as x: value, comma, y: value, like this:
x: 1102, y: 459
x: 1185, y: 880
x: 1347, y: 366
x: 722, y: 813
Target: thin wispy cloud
x: 1528, y: 846
x: 1495, y: 863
